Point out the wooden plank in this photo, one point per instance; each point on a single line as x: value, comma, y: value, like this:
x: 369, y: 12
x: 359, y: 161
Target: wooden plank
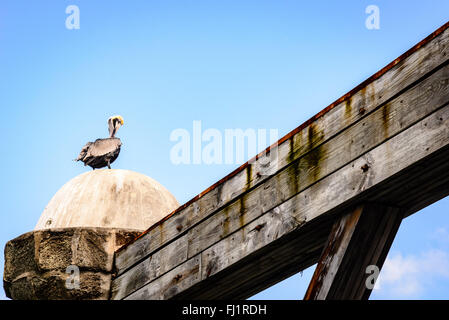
x: 385, y: 122
x: 404, y: 74
x: 267, y: 265
x: 358, y: 240
x: 290, y: 254
x: 156, y: 265
x: 171, y: 283
x: 329, y: 196
x: 382, y: 124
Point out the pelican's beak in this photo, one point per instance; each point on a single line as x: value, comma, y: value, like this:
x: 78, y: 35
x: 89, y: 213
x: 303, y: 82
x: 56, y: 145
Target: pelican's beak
x: 120, y: 119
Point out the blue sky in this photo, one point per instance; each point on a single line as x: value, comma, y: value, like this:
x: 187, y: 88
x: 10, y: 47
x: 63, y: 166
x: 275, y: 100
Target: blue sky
x: 164, y: 64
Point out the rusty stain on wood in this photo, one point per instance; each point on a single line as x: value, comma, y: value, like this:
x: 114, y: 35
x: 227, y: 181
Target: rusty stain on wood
x: 178, y: 277
x: 348, y: 108
x: 242, y: 211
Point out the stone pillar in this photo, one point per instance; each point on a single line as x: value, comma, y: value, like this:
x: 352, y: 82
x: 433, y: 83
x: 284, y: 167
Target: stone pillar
x: 62, y: 263
x: 70, y: 253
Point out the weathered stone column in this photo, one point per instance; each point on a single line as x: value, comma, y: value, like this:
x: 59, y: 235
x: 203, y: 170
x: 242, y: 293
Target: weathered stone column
x: 63, y: 263
x: 70, y: 253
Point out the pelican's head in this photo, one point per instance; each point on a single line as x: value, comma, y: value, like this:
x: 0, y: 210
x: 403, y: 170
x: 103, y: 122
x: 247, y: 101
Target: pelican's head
x: 114, y: 123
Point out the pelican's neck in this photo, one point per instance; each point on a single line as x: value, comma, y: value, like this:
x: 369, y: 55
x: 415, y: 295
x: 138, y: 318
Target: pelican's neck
x: 114, y: 131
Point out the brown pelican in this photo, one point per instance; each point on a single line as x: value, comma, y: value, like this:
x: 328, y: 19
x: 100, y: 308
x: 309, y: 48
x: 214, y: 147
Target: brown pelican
x: 103, y: 152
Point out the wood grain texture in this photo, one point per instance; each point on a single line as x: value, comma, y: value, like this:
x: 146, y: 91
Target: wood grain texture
x: 391, y: 84
x: 359, y: 239
x: 171, y: 283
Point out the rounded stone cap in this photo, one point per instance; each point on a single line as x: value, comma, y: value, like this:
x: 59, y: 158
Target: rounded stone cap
x: 110, y: 198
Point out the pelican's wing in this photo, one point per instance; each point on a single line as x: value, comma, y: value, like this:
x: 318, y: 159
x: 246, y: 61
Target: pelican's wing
x: 84, y: 151
x: 104, y: 146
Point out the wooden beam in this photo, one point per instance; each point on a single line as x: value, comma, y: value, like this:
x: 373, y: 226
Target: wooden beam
x: 359, y: 239
x: 237, y: 257
x: 298, y: 178
x: 387, y: 142
x: 306, y: 142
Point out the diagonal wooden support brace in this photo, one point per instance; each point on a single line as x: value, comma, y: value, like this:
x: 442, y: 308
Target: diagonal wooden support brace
x: 358, y: 239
